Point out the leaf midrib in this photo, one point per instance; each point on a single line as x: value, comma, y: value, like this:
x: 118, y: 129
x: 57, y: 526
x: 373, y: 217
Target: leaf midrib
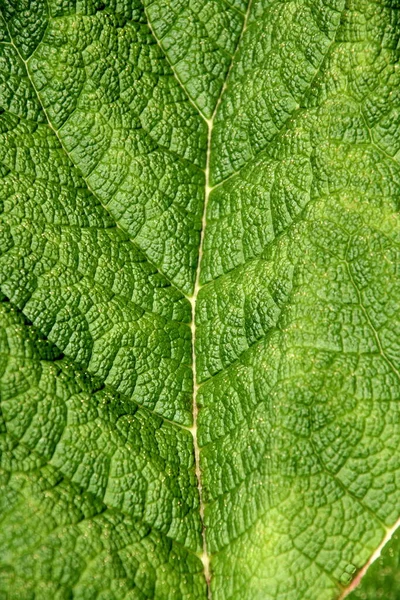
x: 193, y: 300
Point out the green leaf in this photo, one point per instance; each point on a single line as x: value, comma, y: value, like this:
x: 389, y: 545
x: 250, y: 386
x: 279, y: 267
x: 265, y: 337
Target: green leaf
x: 382, y: 580
x: 82, y: 508
x: 199, y: 250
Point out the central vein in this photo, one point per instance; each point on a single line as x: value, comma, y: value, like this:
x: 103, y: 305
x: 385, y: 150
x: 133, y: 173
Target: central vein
x: 205, y: 557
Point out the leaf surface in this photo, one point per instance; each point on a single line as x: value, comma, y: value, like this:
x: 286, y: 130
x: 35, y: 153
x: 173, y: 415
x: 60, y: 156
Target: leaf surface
x: 199, y: 253
x: 383, y: 577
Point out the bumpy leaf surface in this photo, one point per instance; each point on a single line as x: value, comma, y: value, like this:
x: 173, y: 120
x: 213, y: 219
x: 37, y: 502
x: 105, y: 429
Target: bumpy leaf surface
x: 200, y: 310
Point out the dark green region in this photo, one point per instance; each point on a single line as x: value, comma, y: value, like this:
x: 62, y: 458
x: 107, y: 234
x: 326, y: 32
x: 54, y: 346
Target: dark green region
x: 382, y: 580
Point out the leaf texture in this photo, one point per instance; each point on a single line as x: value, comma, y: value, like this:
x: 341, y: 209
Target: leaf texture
x: 200, y: 319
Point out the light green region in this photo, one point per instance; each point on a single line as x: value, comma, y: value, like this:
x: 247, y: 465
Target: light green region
x: 114, y: 115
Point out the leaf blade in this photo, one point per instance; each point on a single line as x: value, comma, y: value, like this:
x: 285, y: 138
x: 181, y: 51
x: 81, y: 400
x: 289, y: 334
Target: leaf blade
x: 297, y: 313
